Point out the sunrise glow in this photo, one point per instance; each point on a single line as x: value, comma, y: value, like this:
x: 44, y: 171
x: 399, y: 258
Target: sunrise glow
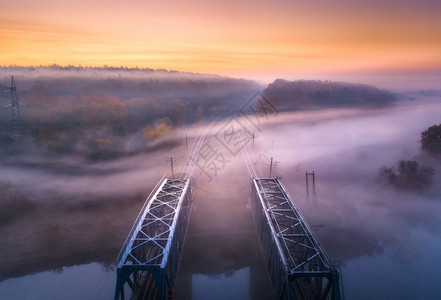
x: 236, y: 38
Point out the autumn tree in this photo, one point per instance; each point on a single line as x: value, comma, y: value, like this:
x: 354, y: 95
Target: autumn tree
x: 178, y: 112
x: 141, y: 111
x: 160, y: 128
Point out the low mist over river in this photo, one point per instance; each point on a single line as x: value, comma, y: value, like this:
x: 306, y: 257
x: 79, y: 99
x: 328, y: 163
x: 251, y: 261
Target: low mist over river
x: 64, y: 210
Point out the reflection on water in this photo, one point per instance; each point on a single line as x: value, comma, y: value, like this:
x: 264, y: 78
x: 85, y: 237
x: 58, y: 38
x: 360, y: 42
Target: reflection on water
x: 90, y: 281
x: 225, y: 286
x: 222, y: 258
x: 395, y: 275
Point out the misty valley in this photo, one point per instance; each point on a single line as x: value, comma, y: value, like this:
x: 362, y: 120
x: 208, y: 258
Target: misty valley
x: 97, y: 140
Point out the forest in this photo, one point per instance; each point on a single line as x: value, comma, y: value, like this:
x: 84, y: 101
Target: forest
x: 102, y: 113
x: 95, y: 112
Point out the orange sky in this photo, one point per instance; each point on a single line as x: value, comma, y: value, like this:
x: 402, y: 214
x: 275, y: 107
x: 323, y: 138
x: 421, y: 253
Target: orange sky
x: 252, y: 38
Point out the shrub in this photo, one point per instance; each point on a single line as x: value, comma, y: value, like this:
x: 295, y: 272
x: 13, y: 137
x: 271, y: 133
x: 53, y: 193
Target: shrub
x: 407, y: 175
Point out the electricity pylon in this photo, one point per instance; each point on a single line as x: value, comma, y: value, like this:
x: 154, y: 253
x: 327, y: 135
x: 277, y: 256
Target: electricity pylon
x: 17, y: 125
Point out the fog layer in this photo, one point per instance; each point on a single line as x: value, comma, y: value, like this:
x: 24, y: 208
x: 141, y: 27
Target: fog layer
x: 76, y: 210
x: 381, y: 234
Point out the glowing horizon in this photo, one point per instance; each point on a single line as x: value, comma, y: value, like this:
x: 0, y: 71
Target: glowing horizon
x: 255, y: 39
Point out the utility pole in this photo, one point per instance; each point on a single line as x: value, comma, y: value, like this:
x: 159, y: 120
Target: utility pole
x: 171, y: 165
x: 271, y: 167
x: 314, y: 194
x: 307, y: 187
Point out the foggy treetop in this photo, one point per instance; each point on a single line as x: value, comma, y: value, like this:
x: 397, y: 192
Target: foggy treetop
x: 124, y: 82
x: 95, y: 111
x: 312, y: 94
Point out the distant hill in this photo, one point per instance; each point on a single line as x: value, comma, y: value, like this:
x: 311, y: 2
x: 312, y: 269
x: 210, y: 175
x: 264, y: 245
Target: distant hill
x: 312, y: 94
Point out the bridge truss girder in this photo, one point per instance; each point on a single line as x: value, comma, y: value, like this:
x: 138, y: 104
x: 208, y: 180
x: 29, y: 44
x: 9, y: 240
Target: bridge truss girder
x: 151, y: 258
x: 298, y: 266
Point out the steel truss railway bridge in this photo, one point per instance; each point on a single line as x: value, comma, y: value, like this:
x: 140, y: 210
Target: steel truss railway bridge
x: 149, y: 264
x: 296, y: 262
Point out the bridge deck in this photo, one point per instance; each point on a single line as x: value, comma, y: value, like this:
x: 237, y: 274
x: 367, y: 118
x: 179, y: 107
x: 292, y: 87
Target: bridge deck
x: 150, y: 261
x: 298, y: 266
